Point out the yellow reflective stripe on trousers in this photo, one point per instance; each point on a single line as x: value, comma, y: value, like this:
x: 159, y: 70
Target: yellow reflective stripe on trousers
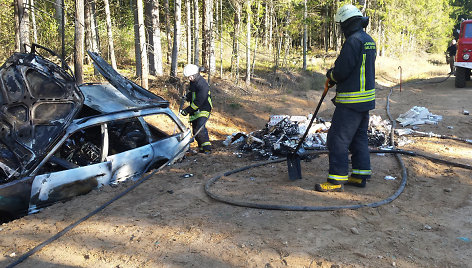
x: 362, y: 78
x: 337, y: 177
x: 355, y: 97
x: 205, y: 144
x: 199, y: 114
x: 362, y: 172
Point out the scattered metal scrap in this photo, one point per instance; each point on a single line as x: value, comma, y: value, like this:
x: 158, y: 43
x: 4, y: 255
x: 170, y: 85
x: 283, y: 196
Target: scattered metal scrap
x: 283, y: 132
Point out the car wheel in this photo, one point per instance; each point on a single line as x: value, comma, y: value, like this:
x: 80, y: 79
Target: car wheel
x: 460, y: 77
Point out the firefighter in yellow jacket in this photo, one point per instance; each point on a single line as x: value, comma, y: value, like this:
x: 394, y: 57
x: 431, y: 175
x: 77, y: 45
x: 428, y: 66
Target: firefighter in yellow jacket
x: 200, y: 106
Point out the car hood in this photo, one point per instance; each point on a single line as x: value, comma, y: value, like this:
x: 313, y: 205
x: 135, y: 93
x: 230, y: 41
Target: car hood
x: 39, y: 99
x: 122, y: 94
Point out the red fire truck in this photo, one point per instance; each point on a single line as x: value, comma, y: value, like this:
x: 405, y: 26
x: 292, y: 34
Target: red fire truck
x: 463, y: 61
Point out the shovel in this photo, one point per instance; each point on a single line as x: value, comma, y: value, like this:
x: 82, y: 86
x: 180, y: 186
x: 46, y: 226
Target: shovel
x: 293, y: 158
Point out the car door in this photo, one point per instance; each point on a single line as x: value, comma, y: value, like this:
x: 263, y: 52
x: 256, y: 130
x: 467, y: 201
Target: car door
x: 130, y: 152
x: 63, y: 185
x: 76, y: 167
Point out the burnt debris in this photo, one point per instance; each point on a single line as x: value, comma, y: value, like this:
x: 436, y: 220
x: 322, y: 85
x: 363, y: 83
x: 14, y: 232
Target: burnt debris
x: 282, y: 134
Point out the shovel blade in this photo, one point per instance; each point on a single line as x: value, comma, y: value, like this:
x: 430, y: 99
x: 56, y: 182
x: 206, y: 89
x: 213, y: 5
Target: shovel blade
x: 294, y: 166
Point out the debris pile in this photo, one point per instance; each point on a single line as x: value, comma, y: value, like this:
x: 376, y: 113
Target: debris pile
x: 418, y: 116
x: 378, y: 131
x: 283, y: 132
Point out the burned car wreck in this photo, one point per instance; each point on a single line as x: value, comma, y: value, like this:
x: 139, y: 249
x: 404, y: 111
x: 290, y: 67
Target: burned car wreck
x: 59, y: 140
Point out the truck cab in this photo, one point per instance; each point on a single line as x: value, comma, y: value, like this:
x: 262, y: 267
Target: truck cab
x: 463, y: 61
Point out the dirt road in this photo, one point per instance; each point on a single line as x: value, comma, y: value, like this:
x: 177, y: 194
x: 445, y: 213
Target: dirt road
x: 169, y: 221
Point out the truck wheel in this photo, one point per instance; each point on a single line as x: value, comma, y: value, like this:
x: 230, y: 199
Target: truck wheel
x: 460, y: 77
x: 467, y: 75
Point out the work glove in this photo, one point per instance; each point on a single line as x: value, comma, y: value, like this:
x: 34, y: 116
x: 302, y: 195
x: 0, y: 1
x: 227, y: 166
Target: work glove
x: 188, y: 96
x: 331, y: 83
x: 186, y: 111
x: 328, y: 75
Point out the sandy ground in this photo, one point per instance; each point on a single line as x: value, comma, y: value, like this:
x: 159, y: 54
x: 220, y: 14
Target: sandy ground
x: 169, y: 221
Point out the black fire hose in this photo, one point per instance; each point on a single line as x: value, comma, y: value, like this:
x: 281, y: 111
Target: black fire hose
x: 397, y: 193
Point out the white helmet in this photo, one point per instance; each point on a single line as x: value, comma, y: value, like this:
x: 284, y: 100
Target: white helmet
x: 346, y: 12
x: 190, y: 69
x: 453, y: 41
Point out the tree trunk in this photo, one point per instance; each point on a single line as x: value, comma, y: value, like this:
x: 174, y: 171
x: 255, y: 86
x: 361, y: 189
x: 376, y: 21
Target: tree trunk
x: 287, y: 38
x: 137, y: 48
x: 221, y: 38
x: 326, y: 30
x: 33, y: 21
x: 167, y: 22
x: 363, y: 4
x: 58, y: 15
x: 305, y: 34
x: 175, y: 47
x: 196, y: 33
x: 235, y: 54
x: 211, y: 41
x: 94, y: 27
x: 254, y: 53
x: 88, y: 31
x: 92, y: 36
x: 111, y: 48
x: 208, y: 47
x: 189, y: 31
x: 266, y: 24
x: 79, y: 41
x: 17, y: 26
x: 271, y: 24
x: 142, y: 45
x: 248, y: 42
x: 278, y: 43
x: 155, y: 59
x: 257, y: 24
x: 23, y: 26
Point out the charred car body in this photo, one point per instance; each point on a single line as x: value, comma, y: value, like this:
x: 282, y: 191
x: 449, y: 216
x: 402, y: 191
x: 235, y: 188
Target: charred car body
x: 59, y: 140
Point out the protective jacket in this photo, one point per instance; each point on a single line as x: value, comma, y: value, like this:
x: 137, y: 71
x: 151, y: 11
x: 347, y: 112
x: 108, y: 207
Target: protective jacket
x: 451, y: 50
x: 354, y: 70
x: 199, y: 98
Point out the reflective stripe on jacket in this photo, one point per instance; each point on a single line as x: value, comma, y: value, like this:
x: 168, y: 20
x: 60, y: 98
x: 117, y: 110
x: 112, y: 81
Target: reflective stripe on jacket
x: 200, y: 100
x: 354, y: 72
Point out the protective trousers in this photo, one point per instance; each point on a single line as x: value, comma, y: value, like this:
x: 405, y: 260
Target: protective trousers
x: 202, y: 137
x: 451, y: 63
x: 348, y: 132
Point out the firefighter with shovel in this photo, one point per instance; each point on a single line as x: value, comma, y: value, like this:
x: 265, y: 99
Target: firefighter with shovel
x: 354, y: 76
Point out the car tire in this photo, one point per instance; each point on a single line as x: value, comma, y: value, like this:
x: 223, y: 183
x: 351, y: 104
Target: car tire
x: 460, y: 77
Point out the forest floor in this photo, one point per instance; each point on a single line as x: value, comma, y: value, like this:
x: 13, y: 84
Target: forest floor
x: 169, y: 221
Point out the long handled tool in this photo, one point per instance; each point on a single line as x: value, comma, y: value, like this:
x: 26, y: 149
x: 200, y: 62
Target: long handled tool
x: 293, y: 158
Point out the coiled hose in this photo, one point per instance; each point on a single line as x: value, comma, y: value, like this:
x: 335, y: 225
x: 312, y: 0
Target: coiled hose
x: 397, y: 193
